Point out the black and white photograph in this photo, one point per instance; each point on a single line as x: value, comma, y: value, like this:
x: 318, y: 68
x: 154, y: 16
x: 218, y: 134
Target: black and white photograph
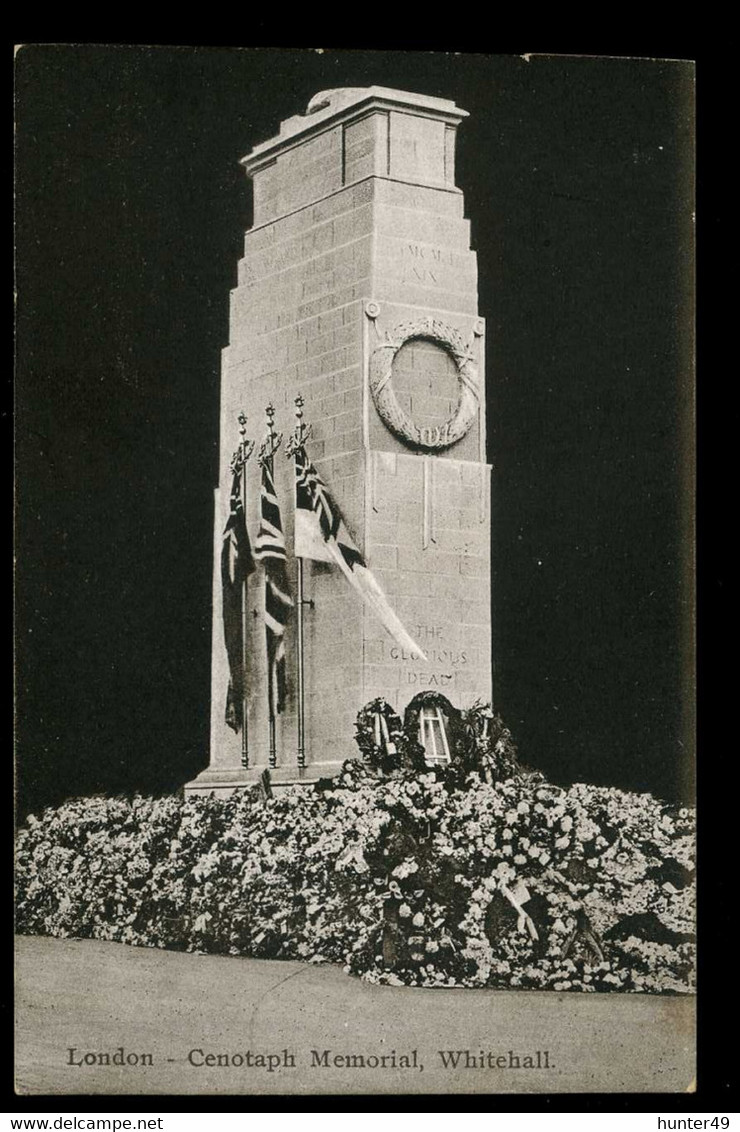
x: 355, y: 611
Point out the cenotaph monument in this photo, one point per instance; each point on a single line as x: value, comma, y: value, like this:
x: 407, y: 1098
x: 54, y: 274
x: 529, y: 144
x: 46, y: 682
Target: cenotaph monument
x: 357, y: 295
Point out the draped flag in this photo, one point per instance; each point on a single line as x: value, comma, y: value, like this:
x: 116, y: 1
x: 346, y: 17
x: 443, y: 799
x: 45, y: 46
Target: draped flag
x: 237, y: 564
x: 321, y: 534
x: 270, y: 549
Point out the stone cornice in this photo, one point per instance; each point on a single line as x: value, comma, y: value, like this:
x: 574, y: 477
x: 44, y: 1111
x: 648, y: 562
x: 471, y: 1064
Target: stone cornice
x: 334, y: 107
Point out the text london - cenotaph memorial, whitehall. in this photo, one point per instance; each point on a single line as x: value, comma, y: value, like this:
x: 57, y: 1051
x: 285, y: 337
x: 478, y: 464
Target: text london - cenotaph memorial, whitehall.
x: 352, y: 517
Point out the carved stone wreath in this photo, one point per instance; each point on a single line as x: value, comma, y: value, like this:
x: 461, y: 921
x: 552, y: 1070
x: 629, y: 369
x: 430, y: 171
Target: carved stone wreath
x: 433, y: 437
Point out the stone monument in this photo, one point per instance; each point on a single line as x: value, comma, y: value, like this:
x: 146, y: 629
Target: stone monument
x: 358, y: 291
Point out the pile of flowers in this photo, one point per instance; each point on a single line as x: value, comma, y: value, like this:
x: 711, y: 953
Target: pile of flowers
x: 401, y: 873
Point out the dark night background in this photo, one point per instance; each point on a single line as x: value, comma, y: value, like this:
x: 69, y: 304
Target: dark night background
x: 131, y: 208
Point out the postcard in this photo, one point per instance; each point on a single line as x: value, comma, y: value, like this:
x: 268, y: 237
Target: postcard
x: 355, y: 573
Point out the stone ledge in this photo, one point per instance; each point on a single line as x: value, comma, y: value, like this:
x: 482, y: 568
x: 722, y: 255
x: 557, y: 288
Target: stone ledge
x: 329, y: 108
x: 451, y: 190
x: 218, y: 780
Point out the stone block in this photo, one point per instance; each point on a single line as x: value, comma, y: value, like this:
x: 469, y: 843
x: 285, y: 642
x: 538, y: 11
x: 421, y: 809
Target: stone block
x: 387, y: 675
x: 473, y: 475
x: 350, y: 441
x: 475, y: 567
x: 445, y: 586
x: 331, y: 406
x: 383, y: 557
x: 428, y: 227
x: 439, y: 202
x: 351, y: 226
x: 412, y: 583
x: 349, y: 379
x: 343, y: 421
x: 432, y: 297
x: 416, y: 609
x: 381, y: 534
x: 410, y: 519
x: 343, y: 467
x: 477, y: 636
x: 383, y: 508
x: 373, y: 653
x: 387, y: 580
x: 257, y: 239
x: 477, y: 613
x: 465, y: 542
x: 416, y: 148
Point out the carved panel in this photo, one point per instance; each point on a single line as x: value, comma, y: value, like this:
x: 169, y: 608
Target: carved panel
x: 435, y: 437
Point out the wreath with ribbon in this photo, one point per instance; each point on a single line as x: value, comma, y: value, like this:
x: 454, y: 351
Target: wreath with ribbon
x: 379, y: 735
x: 477, y: 738
x: 435, y: 437
x: 451, y: 714
x: 487, y: 746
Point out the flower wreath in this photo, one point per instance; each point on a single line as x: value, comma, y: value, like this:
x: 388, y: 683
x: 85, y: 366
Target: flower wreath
x: 452, y: 716
x: 488, y: 747
x: 378, y: 734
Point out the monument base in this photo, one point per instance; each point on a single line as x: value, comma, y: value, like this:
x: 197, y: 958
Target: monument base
x: 222, y: 781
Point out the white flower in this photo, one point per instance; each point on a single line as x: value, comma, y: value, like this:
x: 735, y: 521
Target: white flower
x: 418, y: 920
x: 404, y: 911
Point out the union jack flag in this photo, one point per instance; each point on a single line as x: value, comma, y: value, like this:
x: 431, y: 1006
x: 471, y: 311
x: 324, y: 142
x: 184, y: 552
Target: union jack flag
x: 237, y: 564
x: 269, y: 547
x: 321, y: 534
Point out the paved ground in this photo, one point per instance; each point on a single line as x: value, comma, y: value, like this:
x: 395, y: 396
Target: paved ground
x: 170, y: 1013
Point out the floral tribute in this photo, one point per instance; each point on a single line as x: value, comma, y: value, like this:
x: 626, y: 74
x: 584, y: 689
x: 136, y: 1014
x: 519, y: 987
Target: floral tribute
x: 385, y: 743
x: 472, y: 875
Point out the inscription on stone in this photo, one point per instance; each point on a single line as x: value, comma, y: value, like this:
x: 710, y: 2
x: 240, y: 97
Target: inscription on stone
x: 422, y: 264
x: 431, y: 638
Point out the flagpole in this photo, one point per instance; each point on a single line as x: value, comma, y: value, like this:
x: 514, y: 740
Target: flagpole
x: 301, y: 675
x: 272, y: 743
x: 302, y: 432
x: 243, y: 457
x: 269, y: 447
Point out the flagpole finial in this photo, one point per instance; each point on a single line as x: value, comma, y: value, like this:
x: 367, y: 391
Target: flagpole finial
x: 244, y: 448
x: 302, y: 430
x: 273, y: 440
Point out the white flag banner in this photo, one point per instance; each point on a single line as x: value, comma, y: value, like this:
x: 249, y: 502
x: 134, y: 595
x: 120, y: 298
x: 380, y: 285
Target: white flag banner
x: 321, y: 534
x: 309, y: 541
